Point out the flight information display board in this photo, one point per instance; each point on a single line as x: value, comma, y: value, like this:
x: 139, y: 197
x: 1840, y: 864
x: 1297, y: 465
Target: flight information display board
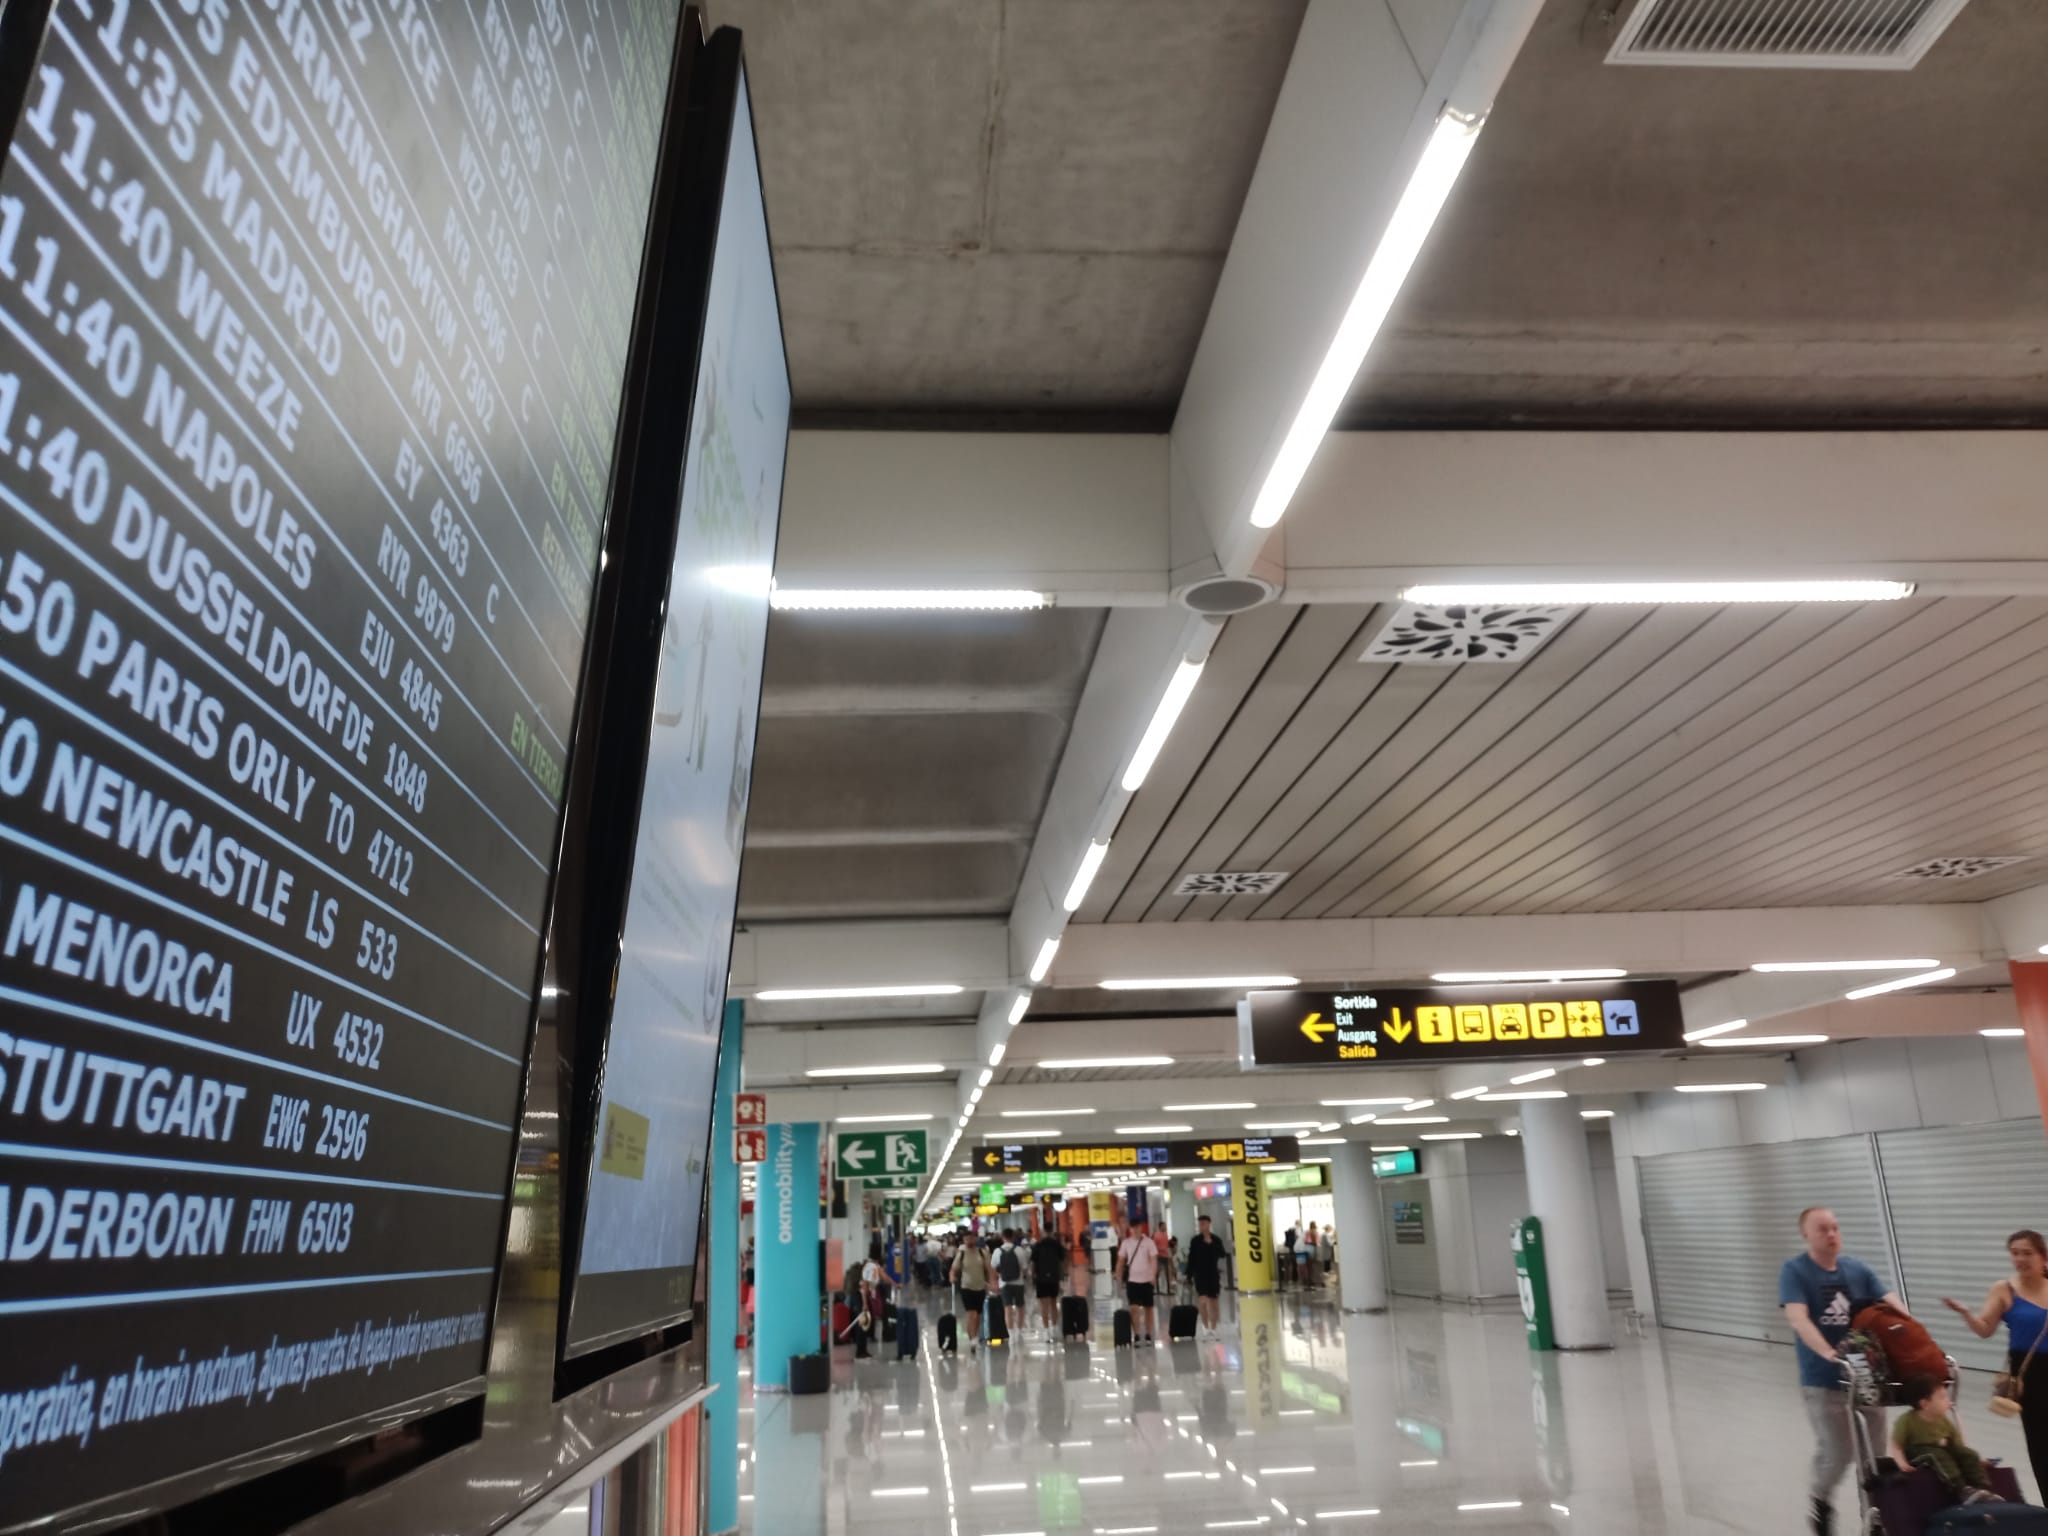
x: 1136, y: 1156
x: 313, y: 325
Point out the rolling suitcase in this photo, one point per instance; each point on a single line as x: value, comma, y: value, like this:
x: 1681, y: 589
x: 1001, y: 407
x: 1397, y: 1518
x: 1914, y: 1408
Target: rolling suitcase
x: 842, y: 1323
x: 995, y: 1322
x: 809, y: 1374
x: 1180, y: 1322
x: 1074, y: 1322
x: 1120, y: 1328
x: 906, y: 1333
x: 949, y: 1334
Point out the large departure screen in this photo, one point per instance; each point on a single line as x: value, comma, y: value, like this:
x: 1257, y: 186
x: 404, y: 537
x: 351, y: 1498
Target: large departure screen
x: 636, y: 1261
x: 313, y: 321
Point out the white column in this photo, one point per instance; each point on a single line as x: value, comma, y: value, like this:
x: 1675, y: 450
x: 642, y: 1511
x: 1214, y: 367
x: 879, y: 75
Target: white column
x: 1361, y: 1251
x: 1561, y: 1196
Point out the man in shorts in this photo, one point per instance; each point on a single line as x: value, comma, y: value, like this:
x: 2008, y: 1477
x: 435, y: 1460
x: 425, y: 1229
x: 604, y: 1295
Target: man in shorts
x: 1010, y: 1271
x: 971, y: 1274
x: 1137, y: 1262
x: 1821, y: 1290
x: 1205, y: 1269
x: 1048, y: 1274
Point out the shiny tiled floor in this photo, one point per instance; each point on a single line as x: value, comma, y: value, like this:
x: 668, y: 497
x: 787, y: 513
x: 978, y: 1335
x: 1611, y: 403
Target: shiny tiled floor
x: 1301, y: 1419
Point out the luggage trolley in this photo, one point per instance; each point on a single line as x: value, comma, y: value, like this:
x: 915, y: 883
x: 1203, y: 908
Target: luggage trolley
x: 1898, y: 1506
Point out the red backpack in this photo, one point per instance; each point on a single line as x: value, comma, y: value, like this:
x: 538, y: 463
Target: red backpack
x: 1909, y: 1349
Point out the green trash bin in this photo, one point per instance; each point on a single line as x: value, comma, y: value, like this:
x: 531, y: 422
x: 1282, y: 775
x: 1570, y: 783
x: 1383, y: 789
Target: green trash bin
x: 1532, y: 1279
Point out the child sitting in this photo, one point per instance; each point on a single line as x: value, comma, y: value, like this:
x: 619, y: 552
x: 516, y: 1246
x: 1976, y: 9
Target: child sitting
x: 1925, y: 1436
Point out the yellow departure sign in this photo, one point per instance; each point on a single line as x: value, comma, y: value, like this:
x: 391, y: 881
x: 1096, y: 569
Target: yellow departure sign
x: 1412, y: 1026
x: 1135, y: 1156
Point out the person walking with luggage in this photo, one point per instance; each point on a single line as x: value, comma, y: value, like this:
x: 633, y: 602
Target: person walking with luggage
x: 2021, y: 1304
x: 1010, y: 1271
x: 1205, y: 1269
x: 1821, y: 1290
x: 971, y: 1274
x: 1926, y: 1436
x: 1137, y: 1263
x: 1048, y: 1276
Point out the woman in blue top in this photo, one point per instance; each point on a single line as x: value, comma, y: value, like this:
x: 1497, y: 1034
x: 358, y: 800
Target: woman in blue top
x: 2021, y: 1303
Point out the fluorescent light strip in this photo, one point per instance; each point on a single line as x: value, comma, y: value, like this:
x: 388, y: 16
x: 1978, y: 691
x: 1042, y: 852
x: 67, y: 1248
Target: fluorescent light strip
x: 1466, y: 1509
x: 997, y: 1051
x: 906, y: 598
x: 1596, y: 1114
x: 1420, y: 1104
x: 1577, y: 593
x: 1151, y: 1130
x: 1518, y: 1095
x: 1042, y: 1114
x: 879, y: 1119
x: 1084, y: 877
x: 1749, y: 1040
x: 814, y: 994
x: 1470, y: 1093
x: 1173, y: 983
x: 1435, y: 173
x: 1344, y: 1514
x: 1321, y: 1141
x: 1451, y: 1135
x: 1391, y: 1149
x: 1178, y: 688
x: 1188, y: 1109
x: 1594, y: 1061
x: 1712, y: 1030
x: 1769, y: 966
x: 1281, y: 1125
x: 1722, y: 1087
x: 1037, y: 1131
x: 1399, y: 1098
x: 1568, y: 973
x: 987, y: 1075
x: 2002, y: 1034
x: 1043, y: 963
x: 1534, y: 1077
x: 1020, y: 1007
x: 1361, y: 1119
x: 1415, y: 1120
x: 1901, y: 983
x: 900, y: 1069
x: 1088, y: 1063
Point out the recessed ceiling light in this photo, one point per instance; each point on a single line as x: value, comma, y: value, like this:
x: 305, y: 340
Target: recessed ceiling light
x: 1596, y: 1114
x: 1745, y: 1041
x: 1715, y: 1029
x: 1044, y: 1130
x: 1399, y: 1098
x: 1151, y: 1130
x: 2003, y: 1034
x: 1084, y: 876
x: 1361, y: 1119
x: 1722, y: 1087
x: 879, y: 1119
x: 1280, y: 1125
x: 1189, y: 1109
x: 1567, y: 973
x: 997, y: 1051
x: 1086, y: 1063
x: 1535, y: 1077
x: 1020, y: 1007
x: 1845, y: 965
x: 1524, y: 1093
x: 1042, y: 1114
x: 1191, y: 983
x: 1178, y: 688
x: 1452, y: 1135
x: 1419, y: 1104
x: 1901, y: 983
x: 1415, y: 1120
x: 987, y: 1073
x: 1401, y: 1148
x: 899, y: 1069
x: 1470, y: 1093
x: 1594, y: 1061
x: 1321, y: 1141
x: 906, y: 599
x: 1579, y: 593
x: 814, y: 994
x: 1043, y: 963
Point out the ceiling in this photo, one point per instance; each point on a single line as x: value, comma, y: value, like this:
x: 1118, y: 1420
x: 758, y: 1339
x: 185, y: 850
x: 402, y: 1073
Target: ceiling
x: 1644, y: 759
x: 981, y: 206
x: 903, y: 760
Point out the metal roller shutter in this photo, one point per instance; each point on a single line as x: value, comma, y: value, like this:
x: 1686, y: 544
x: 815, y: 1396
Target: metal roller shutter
x: 1719, y: 1223
x: 1956, y: 1193
x: 1411, y: 1267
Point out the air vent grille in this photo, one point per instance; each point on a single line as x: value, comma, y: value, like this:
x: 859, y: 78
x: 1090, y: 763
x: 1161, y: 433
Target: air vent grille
x: 1231, y: 882
x: 1449, y: 637
x: 1964, y: 866
x: 1783, y: 34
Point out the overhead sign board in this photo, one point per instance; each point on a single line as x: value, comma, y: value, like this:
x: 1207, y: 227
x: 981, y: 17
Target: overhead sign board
x: 993, y: 1194
x: 1040, y: 1178
x: 1434, y: 1026
x: 1135, y: 1156
x: 1389, y: 1165
x: 864, y: 1154
x: 1279, y: 1179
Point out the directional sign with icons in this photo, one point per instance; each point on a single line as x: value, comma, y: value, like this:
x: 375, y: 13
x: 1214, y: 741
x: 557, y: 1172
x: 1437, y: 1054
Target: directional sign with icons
x: 862, y: 1154
x: 1134, y: 1156
x: 1039, y: 1178
x: 1377, y: 1027
x: 750, y: 1109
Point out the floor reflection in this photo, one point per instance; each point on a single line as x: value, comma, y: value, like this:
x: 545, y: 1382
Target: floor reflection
x: 1298, y: 1418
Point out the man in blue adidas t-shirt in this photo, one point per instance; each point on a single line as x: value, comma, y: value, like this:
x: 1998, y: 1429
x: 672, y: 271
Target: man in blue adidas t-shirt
x: 1821, y: 1290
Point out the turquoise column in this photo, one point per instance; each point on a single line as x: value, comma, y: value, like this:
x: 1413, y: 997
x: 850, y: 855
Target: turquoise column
x: 722, y: 1356
x: 787, y: 1243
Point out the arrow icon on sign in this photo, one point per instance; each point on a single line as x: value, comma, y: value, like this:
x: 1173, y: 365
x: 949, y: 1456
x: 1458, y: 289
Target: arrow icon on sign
x: 856, y: 1155
x: 1398, y: 1028
x: 1316, y: 1030
x: 990, y: 1159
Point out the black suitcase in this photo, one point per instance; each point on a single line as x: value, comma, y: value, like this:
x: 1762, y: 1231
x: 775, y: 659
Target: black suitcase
x: 949, y: 1334
x: 906, y: 1333
x: 1180, y: 1322
x: 1120, y: 1328
x: 809, y: 1374
x: 1074, y: 1322
x: 995, y: 1321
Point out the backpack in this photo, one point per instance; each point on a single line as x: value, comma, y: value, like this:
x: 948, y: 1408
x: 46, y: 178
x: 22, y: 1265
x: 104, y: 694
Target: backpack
x: 1904, y: 1343
x: 1008, y: 1265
